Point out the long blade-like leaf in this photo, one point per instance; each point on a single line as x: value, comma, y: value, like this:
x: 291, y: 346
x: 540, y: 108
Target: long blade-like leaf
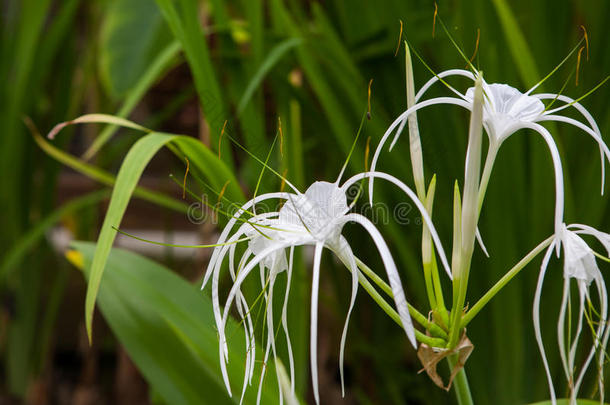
x: 136, y: 160
x: 165, y: 324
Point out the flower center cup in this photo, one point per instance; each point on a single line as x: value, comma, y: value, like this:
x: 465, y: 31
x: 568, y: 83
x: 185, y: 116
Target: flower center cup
x: 317, y: 211
x: 579, y: 260
x: 505, y: 107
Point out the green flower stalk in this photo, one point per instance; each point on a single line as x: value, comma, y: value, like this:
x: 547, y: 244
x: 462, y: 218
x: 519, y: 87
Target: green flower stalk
x: 469, y: 212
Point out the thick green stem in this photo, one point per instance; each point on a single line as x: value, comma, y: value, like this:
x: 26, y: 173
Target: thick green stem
x: 460, y: 383
x: 503, y: 281
x: 438, y: 291
x: 383, y: 304
x: 431, y: 277
x: 470, y: 212
x: 439, y: 341
x: 492, y: 152
x: 373, y: 276
x: 418, y: 316
x: 429, y: 286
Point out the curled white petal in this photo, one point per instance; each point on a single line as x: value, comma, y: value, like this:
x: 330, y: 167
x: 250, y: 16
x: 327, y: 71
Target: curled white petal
x: 390, y: 267
x: 402, y: 117
x: 416, y: 201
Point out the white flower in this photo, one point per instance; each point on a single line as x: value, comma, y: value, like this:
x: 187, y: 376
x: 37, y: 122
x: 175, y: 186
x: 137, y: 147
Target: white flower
x: 506, y: 110
x: 315, y: 218
x: 579, y: 265
x: 506, y: 107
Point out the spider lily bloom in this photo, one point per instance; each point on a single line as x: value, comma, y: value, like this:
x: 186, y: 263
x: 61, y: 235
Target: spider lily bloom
x: 580, y: 266
x: 506, y: 110
x: 314, y: 218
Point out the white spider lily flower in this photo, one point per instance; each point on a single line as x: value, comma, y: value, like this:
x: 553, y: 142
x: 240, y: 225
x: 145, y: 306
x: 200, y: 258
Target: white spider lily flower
x: 506, y: 111
x: 314, y: 218
x: 580, y: 266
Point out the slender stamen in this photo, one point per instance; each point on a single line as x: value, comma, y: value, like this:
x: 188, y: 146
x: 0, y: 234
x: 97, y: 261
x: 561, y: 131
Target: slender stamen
x: 476, y: 48
x: 556, y: 68
x: 221, y: 194
x: 457, y: 47
x: 578, y: 63
x: 581, y: 97
x: 368, y: 100
x: 349, y: 155
x: 177, y: 245
x: 367, y: 151
x: 584, y: 30
x: 279, y: 128
x: 434, y: 19
x: 399, y: 39
x: 265, y: 165
x: 253, y: 156
x: 222, y: 132
x: 185, y: 174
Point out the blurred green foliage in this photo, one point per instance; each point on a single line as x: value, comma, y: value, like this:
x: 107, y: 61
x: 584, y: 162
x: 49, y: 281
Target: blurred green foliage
x: 309, y: 63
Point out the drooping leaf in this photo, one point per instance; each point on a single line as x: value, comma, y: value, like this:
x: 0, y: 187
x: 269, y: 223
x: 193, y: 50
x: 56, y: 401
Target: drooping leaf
x: 182, y: 16
x: 131, y: 169
x: 166, y: 326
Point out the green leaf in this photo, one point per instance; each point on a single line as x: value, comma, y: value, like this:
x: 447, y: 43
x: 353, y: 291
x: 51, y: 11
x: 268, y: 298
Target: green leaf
x: 166, y: 326
x: 182, y: 16
x: 131, y: 34
x: 104, y: 177
x: 202, y: 160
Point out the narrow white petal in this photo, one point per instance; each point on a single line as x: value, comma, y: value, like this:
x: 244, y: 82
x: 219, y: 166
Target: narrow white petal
x: 561, y: 329
x: 217, y: 253
x: 285, y: 319
x: 582, y: 288
x: 313, y: 331
x: 605, y: 335
x: 579, y: 107
x: 216, y: 275
x: 441, y: 75
x: 601, y: 290
x: 271, y: 336
x: 480, y: 241
x: 263, y: 370
x: 402, y: 117
x: 423, y: 104
x: 232, y: 294
x: 244, y: 313
x: 416, y: 201
x: 215, y: 271
x: 346, y: 255
x: 395, y: 283
x: 603, y: 148
x: 536, y: 318
x: 559, y: 191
